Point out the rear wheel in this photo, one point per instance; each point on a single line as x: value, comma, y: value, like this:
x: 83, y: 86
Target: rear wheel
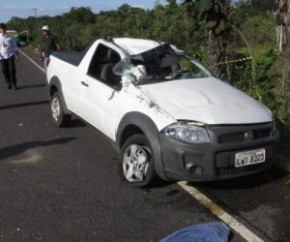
x: 136, y: 162
x: 60, y: 118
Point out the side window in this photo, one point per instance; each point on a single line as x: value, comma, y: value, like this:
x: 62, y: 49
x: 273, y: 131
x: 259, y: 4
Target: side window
x: 102, y: 63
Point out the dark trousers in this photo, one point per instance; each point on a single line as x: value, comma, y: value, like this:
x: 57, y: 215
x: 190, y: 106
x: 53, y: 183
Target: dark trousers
x: 9, y: 70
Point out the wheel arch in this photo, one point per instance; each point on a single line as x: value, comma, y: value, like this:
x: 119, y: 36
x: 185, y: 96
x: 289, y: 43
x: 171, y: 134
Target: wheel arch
x: 139, y: 123
x: 56, y: 86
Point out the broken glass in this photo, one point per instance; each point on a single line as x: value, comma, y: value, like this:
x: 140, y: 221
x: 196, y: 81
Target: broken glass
x: 163, y: 63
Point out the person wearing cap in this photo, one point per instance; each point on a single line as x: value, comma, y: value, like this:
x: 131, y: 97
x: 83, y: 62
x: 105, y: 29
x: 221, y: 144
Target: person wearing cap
x: 8, y: 54
x: 48, y: 45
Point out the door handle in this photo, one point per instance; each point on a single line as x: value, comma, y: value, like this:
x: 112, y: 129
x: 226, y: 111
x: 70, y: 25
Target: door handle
x: 84, y: 84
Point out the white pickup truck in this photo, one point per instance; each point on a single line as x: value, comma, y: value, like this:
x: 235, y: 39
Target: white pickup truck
x: 168, y: 116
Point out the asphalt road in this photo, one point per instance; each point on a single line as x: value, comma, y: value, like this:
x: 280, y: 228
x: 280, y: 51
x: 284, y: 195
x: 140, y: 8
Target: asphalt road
x: 63, y: 185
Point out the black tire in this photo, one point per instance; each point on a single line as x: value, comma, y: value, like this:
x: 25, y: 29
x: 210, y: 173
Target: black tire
x: 136, y: 162
x: 60, y: 118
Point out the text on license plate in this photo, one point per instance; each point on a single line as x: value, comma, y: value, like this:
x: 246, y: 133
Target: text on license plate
x: 250, y: 157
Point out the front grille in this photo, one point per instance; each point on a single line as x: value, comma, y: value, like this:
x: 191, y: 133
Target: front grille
x: 240, y: 136
x: 231, y: 138
x: 189, y: 158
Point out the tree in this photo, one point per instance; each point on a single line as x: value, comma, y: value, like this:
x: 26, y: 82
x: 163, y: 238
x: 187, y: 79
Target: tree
x: 282, y: 14
x: 214, y: 16
x: 80, y: 15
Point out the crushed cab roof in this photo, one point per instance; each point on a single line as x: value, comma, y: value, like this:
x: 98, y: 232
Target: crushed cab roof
x: 136, y: 46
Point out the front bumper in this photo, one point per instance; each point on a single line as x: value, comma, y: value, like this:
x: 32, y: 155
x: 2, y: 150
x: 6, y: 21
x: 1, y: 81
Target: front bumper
x: 216, y: 160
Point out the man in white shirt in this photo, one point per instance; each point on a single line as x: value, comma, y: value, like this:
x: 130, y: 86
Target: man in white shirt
x: 8, y: 54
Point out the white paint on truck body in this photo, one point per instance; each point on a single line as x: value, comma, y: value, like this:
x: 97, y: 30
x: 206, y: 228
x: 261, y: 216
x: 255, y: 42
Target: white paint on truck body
x: 206, y: 100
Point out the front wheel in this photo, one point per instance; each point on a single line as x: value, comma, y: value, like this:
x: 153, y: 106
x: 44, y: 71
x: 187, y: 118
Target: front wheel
x: 136, y: 162
x: 60, y: 118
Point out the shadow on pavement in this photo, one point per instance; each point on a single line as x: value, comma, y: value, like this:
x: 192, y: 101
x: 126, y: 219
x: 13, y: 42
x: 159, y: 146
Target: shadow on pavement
x: 15, y: 150
x: 74, y: 123
x: 32, y: 86
x: 23, y: 105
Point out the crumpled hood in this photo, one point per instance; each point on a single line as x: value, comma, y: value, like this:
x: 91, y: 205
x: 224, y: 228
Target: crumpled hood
x: 207, y: 100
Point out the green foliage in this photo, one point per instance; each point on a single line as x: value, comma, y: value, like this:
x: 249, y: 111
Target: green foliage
x: 203, y: 6
x: 81, y: 16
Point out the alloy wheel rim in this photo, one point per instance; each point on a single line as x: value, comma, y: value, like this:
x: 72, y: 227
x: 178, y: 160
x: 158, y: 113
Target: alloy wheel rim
x: 55, y: 109
x: 136, y: 163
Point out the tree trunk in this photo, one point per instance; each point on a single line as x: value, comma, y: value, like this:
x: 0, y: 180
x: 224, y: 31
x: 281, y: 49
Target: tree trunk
x: 282, y: 13
x: 217, y: 55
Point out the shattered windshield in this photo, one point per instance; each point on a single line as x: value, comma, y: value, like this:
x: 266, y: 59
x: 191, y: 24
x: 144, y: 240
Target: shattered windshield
x: 162, y: 63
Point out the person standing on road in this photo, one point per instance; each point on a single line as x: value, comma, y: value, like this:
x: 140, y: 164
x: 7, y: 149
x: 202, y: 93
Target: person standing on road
x: 8, y: 54
x: 48, y: 45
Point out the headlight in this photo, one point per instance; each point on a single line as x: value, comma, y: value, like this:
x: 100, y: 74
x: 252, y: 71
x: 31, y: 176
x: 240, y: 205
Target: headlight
x: 187, y: 133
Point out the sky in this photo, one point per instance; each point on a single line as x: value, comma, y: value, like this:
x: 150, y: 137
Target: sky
x: 27, y: 8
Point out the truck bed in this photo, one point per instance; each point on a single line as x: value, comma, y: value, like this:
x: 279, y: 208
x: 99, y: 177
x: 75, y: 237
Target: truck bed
x: 71, y: 57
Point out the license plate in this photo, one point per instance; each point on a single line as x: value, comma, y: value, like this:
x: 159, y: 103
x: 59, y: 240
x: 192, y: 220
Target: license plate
x: 250, y: 157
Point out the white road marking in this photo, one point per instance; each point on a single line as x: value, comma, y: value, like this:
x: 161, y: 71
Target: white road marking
x: 233, y: 223
x: 33, y: 62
